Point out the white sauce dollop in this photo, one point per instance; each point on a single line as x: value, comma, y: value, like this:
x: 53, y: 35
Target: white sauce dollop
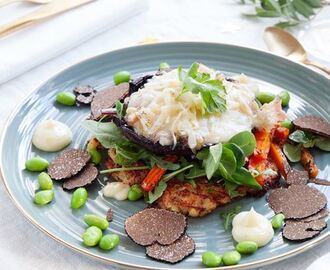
x: 116, y: 190
x: 51, y: 136
x: 252, y: 226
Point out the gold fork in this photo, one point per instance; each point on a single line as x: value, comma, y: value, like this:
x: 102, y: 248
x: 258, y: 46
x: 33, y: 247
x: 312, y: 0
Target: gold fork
x: 7, y: 2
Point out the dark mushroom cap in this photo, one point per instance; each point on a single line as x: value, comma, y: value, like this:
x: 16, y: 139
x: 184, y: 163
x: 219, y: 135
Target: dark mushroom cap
x: 313, y: 124
x: 172, y: 253
x: 153, y: 225
x: 68, y: 163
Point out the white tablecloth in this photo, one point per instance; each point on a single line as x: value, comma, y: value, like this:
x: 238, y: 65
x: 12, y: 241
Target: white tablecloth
x: 22, y: 246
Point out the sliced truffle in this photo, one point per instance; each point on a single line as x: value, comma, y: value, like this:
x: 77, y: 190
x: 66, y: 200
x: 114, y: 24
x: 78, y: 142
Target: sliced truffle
x: 138, y: 83
x: 181, y: 149
x: 82, y: 99
x: 172, y: 253
x: 85, y: 177
x: 318, y: 181
x: 297, y: 201
x: 153, y: 225
x: 321, y: 214
x: 109, y: 216
x: 313, y: 124
x: 84, y: 90
x: 107, y: 98
x: 295, y: 177
x: 68, y: 163
x: 301, y: 231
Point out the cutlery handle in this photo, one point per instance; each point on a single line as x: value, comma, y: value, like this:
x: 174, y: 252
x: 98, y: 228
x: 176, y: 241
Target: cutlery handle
x: 317, y: 65
x: 7, y: 2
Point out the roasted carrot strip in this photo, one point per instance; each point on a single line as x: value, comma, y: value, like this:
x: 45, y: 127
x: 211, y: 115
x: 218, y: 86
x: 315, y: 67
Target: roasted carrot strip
x: 154, y: 175
x: 279, y: 158
x: 308, y: 162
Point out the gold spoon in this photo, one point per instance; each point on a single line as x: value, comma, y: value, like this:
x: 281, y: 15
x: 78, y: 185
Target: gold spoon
x: 7, y: 2
x: 283, y: 43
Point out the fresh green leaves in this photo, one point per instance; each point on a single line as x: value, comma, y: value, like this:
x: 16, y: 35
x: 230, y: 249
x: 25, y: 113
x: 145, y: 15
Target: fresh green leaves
x: 246, y: 141
x: 211, y: 164
x: 212, y: 92
x: 243, y: 177
x: 229, y: 216
x: 290, y: 12
x: 120, y: 109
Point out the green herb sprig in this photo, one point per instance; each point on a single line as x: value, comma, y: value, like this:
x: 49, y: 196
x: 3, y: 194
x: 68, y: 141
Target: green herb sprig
x: 229, y: 216
x: 290, y: 12
x: 212, y: 92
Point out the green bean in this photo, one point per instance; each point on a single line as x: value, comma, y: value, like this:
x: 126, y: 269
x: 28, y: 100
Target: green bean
x: 211, y: 259
x: 96, y: 156
x: 287, y: 124
x: 79, y: 198
x: 66, y: 98
x: 92, y: 236
x: 285, y: 97
x: 135, y: 193
x: 45, y: 182
x: 246, y: 247
x: 36, y: 164
x: 121, y: 76
x: 109, y: 241
x: 231, y: 258
x: 94, y: 220
x: 265, y: 97
x: 164, y: 65
x: 278, y: 221
x: 43, y: 197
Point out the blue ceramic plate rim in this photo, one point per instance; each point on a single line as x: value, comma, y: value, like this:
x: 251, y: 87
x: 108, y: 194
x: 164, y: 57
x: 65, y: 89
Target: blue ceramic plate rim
x: 309, y: 244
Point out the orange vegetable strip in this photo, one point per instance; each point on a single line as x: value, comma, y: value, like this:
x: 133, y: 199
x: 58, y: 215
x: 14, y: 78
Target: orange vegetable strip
x: 279, y: 158
x: 308, y: 162
x: 154, y: 175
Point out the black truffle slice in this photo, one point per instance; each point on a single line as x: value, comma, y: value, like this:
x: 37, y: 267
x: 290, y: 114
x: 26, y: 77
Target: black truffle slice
x: 138, y: 83
x: 297, y: 201
x: 86, y: 176
x: 153, y: 225
x: 107, y: 98
x: 68, y: 163
x: 318, y: 181
x: 84, y: 90
x: 109, y: 216
x: 172, y: 253
x: 313, y: 124
x: 301, y: 231
x: 82, y: 99
x: 321, y: 214
x: 295, y: 177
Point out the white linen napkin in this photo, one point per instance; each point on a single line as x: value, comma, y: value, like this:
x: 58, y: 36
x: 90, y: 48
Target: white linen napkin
x: 32, y: 46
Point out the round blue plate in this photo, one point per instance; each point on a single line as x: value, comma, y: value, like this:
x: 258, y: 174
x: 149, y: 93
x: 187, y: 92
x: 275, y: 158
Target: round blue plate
x: 310, y: 94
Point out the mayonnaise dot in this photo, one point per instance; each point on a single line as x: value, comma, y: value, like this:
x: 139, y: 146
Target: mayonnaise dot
x: 116, y: 190
x: 51, y: 136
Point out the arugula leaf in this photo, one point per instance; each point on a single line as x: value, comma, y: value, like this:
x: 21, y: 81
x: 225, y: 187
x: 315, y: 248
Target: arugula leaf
x: 244, y: 177
x: 227, y: 164
x: 195, y: 172
x: 246, y: 141
x: 212, y: 92
x: 238, y: 152
x: 211, y: 164
x: 120, y: 109
x: 322, y: 143
x: 203, y: 154
x: 292, y: 152
x: 229, y: 216
x: 231, y: 188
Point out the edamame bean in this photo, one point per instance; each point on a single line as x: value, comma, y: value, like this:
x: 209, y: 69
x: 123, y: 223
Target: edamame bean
x: 211, y: 259
x: 94, y: 220
x: 135, y: 193
x: 265, y: 97
x: 246, y: 247
x: 36, y: 164
x: 92, y: 236
x: 96, y: 156
x: 287, y: 124
x: 43, y: 197
x: 79, y: 198
x: 109, y: 241
x: 231, y: 258
x: 164, y: 65
x: 45, y: 182
x: 66, y: 98
x: 285, y: 97
x: 278, y: 221
x: 121, y: 76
